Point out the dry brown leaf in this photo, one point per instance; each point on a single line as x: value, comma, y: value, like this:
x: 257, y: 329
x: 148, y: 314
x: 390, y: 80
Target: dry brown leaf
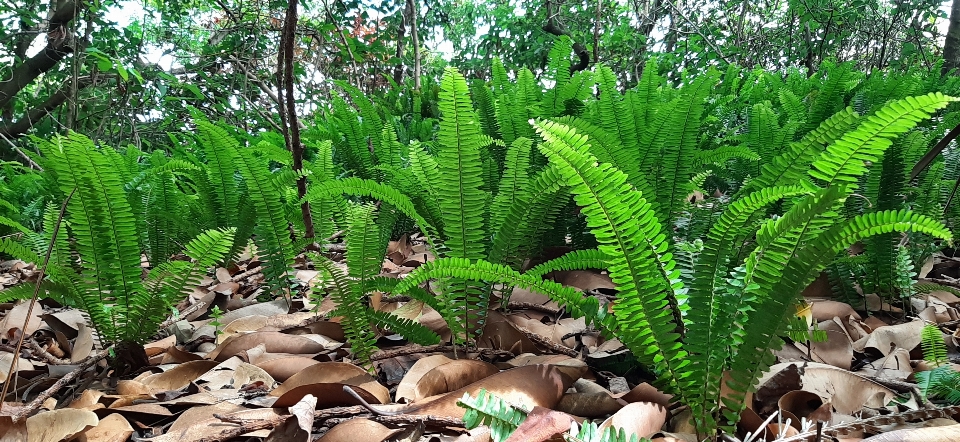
x: 584, y: 280
x: 891, y: 337
x: 827, y: 310
x: 541, y: 424
x: 849, y: 392
x: 800, y: 403
x: 113, y: 428
x: 570, y: 367
x: 282, y: 368
x: 452, y: 376
x: 174, y: 355
x: 195, y: 423
x: 406, y: 390
x: 837, y: 350
x: 271, y: 308
x: 299, y: 426
x: 645, y: 393
x: 58, y: 425
x: 529, y: 386
x: 589, y: 405
x: 132, y: 388
x: 88, y: 400
x: 500, y: 334
x: 6, y: 359
x: 223, y: 275
x: 234, y: 374
x: 15, y: 318
x: 875, y: 304
x: 83, y: 345
x: 643, y: 419
x: 323, y: 379
x: 179, y: 376
x: 358, y: 430
x: 274, y: 342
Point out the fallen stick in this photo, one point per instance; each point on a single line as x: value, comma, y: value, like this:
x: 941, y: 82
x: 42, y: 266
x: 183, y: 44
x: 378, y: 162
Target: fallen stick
x: 35, y: 404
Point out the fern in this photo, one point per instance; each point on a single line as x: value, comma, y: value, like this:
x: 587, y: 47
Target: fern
x: 629, y: 233
x: 487, y: 409
x: 589, y: 432
x: 942, y: 382
x: 934, y: 349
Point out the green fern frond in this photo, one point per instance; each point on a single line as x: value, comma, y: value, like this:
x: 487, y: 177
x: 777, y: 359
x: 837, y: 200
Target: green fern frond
x: 487, y: 409
x: 370, y: 188
x: 590, y: 432
x: 630, y: 234
x: 104, y: 228
x: 351, y: 306
x: 934, y: 349
x: 791, y: 166
x: 575, y: 260
x: 272, y: 235
x: 410, y: 330
x: 483, y: 271
x: 723, y: 154
x: 221, y: 152
x: 172, y: 280
x: 514, y: 182
x: 843, y: 162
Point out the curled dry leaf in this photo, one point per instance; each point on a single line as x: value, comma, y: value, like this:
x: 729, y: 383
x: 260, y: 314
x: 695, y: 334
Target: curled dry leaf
x: 358, y: 430
x: 588, y: 405
x: 179, y: 376
x: 529, y: 386
x: 113, y: 428
x: 274, y: 342
x: 889, y: 338
x: 58, y: 425
x: 452, y: 376
x: 642, y: 419
x: 849, y: 392
x: 325, y: 381
x: 299, y: 426
x: 800, y: 403
x: 541, y: 424
x: 83, y: 345
x: 406, y: 390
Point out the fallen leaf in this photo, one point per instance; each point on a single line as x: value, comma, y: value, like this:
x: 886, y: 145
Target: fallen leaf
x: 113, y: 428
x: 179, y: 376
x: 452, y: 376
x: 323, y: 380
x: 358, y: 430
x: 406, y: 390
x: 83, y: 345
x: 642, y: 419
x: 274, y: 342
x: 58, y: 425
x: 540, y: 425
x: 15, y: 318
x: 889, y: 338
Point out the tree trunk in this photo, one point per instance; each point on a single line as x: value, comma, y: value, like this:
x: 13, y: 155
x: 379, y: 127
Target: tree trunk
x: 951, y: 45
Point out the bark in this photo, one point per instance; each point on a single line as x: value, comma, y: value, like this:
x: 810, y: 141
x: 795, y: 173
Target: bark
x: 951, y: 45
x: 59, y: 45
x: 292, y: 129
x: 412, y: 11
x: 552, y: 27
x: 20, y: 127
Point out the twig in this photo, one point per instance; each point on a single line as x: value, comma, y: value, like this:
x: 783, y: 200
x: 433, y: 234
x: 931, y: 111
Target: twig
x: 513, y: 305
x: 434, y: 421
x: 39, y: 352
x: 273, y: 422
x: 33, y: 301
x: 35, y: 404
x: 541, y: 340
x: 409, y: 350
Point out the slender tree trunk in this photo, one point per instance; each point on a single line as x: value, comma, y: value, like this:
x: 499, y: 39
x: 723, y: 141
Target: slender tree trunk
x: 951, y: 45
x: 412, y: 8
x: 291, y: 129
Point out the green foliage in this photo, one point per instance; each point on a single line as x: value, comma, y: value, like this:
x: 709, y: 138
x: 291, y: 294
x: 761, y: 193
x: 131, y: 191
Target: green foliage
x: 589, y: 432
x: 487, y: 409
x: 934, y: 349
x: 941, y: 382
x: 107, y: 282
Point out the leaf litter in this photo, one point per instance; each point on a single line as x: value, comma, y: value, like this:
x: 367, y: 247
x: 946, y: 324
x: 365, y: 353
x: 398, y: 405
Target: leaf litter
x: 279, y: 370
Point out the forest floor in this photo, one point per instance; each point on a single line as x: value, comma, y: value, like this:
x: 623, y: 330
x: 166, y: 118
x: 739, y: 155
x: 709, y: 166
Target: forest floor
x: 275, y: 369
